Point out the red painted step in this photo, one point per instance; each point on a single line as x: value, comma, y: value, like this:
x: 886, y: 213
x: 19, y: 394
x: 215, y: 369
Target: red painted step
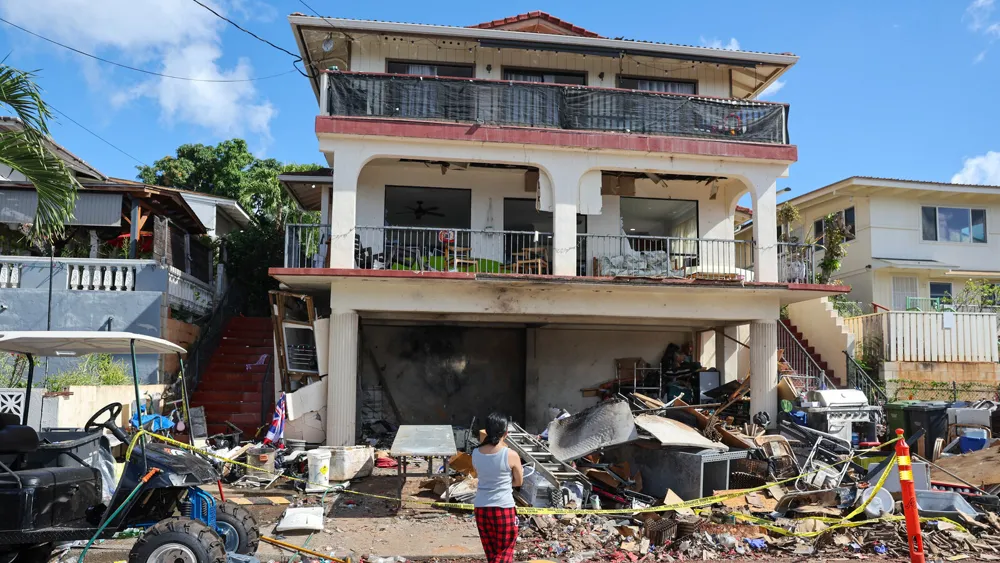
x: 230, y: 390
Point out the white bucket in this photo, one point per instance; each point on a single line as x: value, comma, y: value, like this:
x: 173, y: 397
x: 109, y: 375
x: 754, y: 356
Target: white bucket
x: 319, y: 469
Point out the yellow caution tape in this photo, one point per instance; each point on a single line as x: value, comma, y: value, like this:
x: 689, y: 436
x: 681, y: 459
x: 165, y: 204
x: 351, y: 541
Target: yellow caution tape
x: 695, y: 503
x: 875, y: 490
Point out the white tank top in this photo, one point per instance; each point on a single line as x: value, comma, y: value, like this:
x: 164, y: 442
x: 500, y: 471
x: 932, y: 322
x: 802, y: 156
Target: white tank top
x: 495, y: 478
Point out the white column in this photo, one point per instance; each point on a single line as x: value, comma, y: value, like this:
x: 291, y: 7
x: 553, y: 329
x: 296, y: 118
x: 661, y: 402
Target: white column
x: 765, y: 233
x: 324, y: 204
x: 764, y: 369
x: 565, y: 194
x: 720, y: 354
x: 342, y: 380
x: 344, y: 208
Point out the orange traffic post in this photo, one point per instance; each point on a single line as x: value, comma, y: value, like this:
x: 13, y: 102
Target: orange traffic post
x: 909, y: 492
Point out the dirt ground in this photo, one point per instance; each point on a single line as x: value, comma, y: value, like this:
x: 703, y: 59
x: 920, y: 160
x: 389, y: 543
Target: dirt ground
x: 355, y: 525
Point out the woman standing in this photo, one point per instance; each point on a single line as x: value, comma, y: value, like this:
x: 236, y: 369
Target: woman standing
x: 499, y: 470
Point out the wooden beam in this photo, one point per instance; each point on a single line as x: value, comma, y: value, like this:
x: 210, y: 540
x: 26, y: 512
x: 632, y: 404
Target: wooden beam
x: 133, y: 241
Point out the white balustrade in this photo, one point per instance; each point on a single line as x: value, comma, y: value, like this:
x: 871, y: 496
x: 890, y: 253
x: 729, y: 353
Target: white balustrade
x: 100, y: 276
x: 188, y: 292
x: 10, y: 275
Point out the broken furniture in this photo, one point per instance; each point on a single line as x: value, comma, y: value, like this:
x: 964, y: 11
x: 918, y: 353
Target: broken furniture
x: 547, y: 466
x: 605, y: 424
x: 427, y: 441
x: 699, y: 473
x: 295, y: 335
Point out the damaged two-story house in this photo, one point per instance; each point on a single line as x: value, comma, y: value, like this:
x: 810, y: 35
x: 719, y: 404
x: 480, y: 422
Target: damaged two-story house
x: 512, y: 206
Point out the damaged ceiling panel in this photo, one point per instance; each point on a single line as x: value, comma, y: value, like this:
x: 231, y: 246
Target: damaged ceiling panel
x: 607, y: 424
x: 676, y: 434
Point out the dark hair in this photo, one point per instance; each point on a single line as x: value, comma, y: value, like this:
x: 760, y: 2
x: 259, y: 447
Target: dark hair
x: 496, y: 427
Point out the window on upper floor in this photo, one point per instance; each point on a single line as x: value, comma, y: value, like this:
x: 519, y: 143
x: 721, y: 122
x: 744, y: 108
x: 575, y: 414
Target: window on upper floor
x: 655, y: 85
x: 953, y: 224
x: 545, y: 76
x: 430, y: 69
x: 847, y: 217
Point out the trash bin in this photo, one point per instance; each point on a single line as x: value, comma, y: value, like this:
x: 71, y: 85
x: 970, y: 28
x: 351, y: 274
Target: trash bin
x: 932, y: 418
x: 895, y: 416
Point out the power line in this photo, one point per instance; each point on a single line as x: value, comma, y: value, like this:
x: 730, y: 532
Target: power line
x: 142, y: 70
x: 107, y: 142
x: 248, y: 32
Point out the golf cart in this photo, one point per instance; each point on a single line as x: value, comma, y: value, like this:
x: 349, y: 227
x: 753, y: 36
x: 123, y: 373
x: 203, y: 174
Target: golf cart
x: 53, y: 495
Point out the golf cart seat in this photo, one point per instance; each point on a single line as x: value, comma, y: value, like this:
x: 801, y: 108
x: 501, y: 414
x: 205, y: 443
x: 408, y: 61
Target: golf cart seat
x: 46, y: 497
x: 15, y: 438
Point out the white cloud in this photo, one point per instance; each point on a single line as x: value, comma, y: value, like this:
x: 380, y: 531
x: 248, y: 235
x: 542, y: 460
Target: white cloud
x: 171, y: 37
x: 978, y: 14
x: 773, y: 89
x: 732, y: 45
x: 980, y: 57
x: 984, y: 169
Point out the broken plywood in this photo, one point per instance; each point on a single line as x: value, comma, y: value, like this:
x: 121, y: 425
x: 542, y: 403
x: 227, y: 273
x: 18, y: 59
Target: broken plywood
x: 670, y: 432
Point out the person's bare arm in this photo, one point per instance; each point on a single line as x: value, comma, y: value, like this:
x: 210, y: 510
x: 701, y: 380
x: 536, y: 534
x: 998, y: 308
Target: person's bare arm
x: 517, y: 472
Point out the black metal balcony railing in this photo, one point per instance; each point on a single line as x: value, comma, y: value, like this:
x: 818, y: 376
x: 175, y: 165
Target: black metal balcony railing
x: 670, y: 257
x: 556, y: 106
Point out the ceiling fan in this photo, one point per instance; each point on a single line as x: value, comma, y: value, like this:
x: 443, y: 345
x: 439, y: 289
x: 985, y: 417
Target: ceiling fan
x: 419, y: 211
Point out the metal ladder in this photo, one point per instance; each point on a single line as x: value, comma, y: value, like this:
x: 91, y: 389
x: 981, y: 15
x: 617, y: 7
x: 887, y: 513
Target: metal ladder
x: 534, y: 452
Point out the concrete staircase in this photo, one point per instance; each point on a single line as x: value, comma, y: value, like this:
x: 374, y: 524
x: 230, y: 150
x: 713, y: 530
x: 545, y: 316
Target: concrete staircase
x: 232, y: 387
x: 798, y: 361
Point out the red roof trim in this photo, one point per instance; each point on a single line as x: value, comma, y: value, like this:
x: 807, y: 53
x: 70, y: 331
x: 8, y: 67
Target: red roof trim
x: 396, y: 127
x: 539, y: 15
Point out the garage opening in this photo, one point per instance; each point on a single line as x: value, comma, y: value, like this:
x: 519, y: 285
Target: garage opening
x: 439, y: 374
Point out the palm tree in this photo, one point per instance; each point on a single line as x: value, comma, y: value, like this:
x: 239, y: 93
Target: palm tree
x: 25, y: 149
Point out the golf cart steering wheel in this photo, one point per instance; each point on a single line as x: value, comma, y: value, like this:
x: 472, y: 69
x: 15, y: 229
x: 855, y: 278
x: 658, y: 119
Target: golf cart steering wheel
x: 114, y: 409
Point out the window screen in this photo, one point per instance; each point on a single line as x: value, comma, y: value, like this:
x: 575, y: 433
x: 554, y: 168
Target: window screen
x: 653, y: 85
x: 849, y: 223
x: 545, y: 76
x: 818, y: 230
x: 430, y: 69
x: 978, y: 225
x: 902, y: 287
x: 928, y: 217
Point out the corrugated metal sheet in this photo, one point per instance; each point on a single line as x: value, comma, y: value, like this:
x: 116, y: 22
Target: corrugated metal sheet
x: 92, y: 210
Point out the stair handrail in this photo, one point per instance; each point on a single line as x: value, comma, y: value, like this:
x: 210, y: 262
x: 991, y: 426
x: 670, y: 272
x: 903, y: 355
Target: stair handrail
x: 819, y: 382
x: 198, y: 357
x: 267, y: 397
x: 858, y: 378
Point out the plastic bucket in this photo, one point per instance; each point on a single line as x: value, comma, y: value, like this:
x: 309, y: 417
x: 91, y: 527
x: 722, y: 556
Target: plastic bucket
x: 262, y: 459
x: 319, y: 469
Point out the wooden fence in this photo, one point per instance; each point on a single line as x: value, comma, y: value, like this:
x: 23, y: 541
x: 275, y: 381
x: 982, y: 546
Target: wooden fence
x: 918, y: 336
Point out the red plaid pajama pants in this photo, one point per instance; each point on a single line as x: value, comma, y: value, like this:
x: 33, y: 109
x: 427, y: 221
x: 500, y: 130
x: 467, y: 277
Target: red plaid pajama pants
x: 498, y: 532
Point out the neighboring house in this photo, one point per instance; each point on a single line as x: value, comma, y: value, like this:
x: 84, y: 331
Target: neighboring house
x: 912, y: 247
x: 513, y: 206
x: 910, y: 241
x: 97, y: 279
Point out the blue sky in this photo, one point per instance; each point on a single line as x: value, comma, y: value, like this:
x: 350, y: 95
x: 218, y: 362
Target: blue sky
x: 887, y: 88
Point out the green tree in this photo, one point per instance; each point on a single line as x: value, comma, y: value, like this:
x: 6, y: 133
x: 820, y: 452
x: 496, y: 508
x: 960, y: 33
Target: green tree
x: 25, y: 149
x: 229, y: 169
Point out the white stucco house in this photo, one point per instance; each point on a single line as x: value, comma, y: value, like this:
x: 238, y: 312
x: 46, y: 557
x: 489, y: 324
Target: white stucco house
x: 913, y: 241
x: 512, y: 206
x: 912, y: 247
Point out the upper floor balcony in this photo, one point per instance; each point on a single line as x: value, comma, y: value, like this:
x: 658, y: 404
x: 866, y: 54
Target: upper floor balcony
x: 481, y: 102
x: 502, y: 252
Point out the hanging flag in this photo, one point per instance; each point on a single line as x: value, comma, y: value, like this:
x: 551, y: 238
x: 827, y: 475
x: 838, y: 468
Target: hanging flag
x: 277, y: 430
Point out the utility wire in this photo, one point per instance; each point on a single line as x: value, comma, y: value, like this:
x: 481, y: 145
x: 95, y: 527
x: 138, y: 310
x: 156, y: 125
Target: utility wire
x: 142, y: 70
x: 107, y: 142
x: 248, y: 32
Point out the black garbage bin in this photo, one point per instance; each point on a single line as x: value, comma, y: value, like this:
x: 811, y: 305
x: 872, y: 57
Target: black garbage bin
x: 932, y: 418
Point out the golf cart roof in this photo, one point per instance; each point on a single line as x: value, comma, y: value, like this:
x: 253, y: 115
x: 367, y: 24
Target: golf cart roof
x: 78, y: 343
